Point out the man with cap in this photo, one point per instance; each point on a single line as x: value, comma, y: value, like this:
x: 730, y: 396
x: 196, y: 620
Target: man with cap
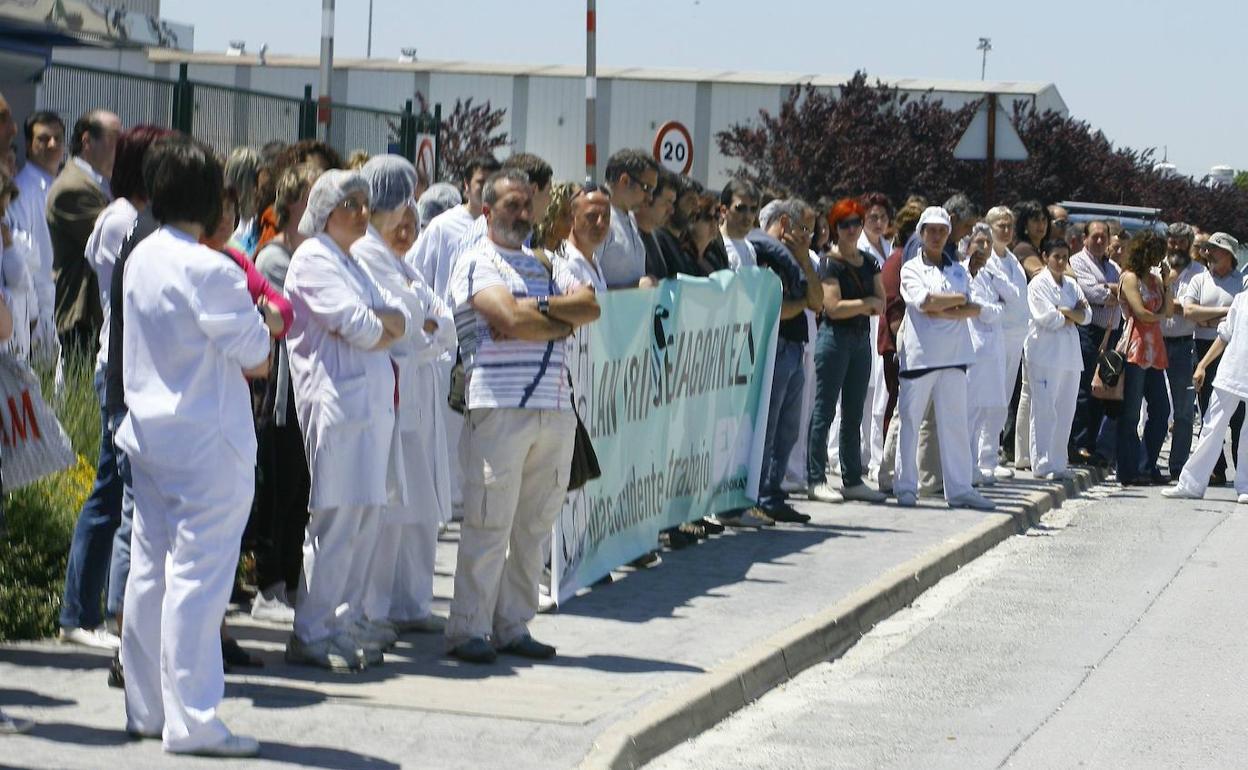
x: 935, y: 350
x: 345, y: 397
x: 1206, y: 302
x: 1178, y: 332
x: 1230, y: 389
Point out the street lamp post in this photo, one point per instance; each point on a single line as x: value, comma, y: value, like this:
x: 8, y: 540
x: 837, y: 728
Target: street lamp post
x: 368, y: 54
x: 985, y: 45
x: 591, y: 90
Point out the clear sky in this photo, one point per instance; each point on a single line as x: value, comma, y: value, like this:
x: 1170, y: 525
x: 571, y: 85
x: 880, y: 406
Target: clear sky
x: 1148, y: 73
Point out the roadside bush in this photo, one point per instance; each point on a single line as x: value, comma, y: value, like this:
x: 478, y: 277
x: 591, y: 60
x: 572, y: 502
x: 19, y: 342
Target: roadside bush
x: 41, y: 516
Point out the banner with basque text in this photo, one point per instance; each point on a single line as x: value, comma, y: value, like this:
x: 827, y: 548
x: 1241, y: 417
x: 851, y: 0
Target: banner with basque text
x: 673, y: 385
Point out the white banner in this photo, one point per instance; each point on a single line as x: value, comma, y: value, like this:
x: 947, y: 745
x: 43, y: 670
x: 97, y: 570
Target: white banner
x: 34, y: 443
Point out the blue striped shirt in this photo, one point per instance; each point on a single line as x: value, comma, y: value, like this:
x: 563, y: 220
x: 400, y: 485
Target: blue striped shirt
x: 508, y: 373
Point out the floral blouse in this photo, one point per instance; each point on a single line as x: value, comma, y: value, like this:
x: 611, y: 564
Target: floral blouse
x: 1146, y: 347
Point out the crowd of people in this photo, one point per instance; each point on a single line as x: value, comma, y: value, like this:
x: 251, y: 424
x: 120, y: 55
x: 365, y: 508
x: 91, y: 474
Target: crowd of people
x: 323, y: 363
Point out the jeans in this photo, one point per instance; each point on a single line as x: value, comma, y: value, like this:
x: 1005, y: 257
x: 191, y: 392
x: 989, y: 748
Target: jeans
x: 784, y: 420
x: 1183, y: 396
x: 1237, y: 417
x: 842, y: 371
x: 1089, y: 411
x: 90, y: 550
x: 1141, y: 385
x: 119, y: 566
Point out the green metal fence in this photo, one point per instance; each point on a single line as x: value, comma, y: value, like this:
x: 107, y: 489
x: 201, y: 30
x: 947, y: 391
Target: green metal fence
x: 222, y: 116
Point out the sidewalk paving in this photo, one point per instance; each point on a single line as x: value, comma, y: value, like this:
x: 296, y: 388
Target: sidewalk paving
x: 643, y: 663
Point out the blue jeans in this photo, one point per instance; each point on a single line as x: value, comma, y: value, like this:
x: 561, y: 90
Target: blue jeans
x: 842, y: 371
x: 1183, y: 394
x: 91, y: 549
x: 1089, y: 411
x: 1141, y: 385
x: 784, y: 420
x: 119, y: 566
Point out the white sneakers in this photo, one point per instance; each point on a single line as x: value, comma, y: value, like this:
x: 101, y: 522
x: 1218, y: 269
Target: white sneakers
x: 97, y: 638
x: 864, y: 494
x: 232, y: 746
x: 825, y: 494
x: 981, y: 479
x: 1179, y: 493
x: 272, y: 605
x: 973, y: 500
x: 1243, y: 499
x: 1002, y: 472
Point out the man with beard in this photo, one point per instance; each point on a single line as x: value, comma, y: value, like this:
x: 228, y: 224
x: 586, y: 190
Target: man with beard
x: 513, y: 312
x: 1178, y: 331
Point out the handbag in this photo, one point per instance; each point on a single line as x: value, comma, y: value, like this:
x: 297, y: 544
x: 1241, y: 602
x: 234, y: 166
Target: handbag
x: 585, y: 466
x: 1107, y: 380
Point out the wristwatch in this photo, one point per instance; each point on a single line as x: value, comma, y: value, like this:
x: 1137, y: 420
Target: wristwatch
x: 543, y: 305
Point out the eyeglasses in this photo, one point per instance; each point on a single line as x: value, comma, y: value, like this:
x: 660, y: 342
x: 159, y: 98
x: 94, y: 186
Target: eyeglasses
x: 849, y: 224
x: 801, y: 228
x: 648, y: 189
x: 745, y: 208
x: 353, y: 205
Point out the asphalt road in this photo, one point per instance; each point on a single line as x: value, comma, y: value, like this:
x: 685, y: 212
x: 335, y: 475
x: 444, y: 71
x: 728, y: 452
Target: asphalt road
x: 1113, y: 636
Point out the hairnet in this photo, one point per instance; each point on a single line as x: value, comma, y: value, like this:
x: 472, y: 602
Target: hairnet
x: 391, y: 181
x: 330, y: 189
x: 934, y: 215
x: 437, y: 199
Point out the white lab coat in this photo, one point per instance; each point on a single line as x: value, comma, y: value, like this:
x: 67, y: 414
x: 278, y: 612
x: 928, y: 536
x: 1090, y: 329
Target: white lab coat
x: 434, y: 251
x: 16, y: 268
x: 191, y: 328
x: 1054, y: 362
x: 927, y: 342
x: 987, y: 391
x: 877, y: 393
x: 344, y: 390
x: 30, y: 223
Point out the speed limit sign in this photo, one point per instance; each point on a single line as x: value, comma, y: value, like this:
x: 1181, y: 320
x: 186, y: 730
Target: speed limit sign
x: 425, y: 158
x: 673, y: 147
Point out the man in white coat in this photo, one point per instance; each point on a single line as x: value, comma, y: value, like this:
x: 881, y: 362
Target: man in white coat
x: 513, y: 312
x: 191, y: 334
x: 345, y: 397
x: 45, y: 151
x: 400, y: 589
x: 934, y: 352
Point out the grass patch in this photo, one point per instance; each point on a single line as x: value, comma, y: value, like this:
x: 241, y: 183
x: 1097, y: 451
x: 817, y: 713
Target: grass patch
x: 41, y: 516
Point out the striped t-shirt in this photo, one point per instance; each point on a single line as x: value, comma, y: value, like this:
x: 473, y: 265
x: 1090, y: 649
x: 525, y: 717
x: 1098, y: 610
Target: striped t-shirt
x: 508, y: 373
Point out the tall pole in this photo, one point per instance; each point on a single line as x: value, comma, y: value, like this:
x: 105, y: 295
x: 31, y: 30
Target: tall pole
x: 327, y: 69
x: 369, y: 51
x: 990, y: 181
x: 985, y: 45
x: 591, y: 90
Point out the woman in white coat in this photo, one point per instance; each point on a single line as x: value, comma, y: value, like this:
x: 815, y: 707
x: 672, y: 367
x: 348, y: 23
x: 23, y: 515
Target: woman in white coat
x: 987, y: 395
x: 1014, y: 319
x: 934, y: 353
x: 400, y: 589
x: 1054, y: 360
x: 345, y: 397
x: 191, y: 334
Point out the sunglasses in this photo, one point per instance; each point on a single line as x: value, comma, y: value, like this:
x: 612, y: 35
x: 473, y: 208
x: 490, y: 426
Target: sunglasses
x: 849, y: 224
x: 745, y: 208
x: 648, y: 189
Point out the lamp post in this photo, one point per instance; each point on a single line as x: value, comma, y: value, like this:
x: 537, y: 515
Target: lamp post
x: 368, y: 53
x: 591, y: 90
x: 985, y: 45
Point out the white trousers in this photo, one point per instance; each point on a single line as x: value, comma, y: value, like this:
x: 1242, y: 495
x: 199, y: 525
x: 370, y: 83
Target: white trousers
x: 1200, y: 463
x: 338, y: 549
x: 1022, y: 422
x: 1053, y: 394
x: 877, y: 402
x: 945, y: 389
x: 400, y: 583
x: 516, y: 466
x: 183, y: 554
x: 984, y: 440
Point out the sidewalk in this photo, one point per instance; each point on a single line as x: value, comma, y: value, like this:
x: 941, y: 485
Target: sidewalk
x: 644, y: 663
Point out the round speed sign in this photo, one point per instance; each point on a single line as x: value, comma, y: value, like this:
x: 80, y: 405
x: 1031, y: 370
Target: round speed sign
x: 673, y: 147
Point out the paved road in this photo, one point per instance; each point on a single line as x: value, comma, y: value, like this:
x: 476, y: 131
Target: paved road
x: 1111, y: 637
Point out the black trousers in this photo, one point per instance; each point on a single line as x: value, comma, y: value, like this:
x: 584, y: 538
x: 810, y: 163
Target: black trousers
x: 279, y: 515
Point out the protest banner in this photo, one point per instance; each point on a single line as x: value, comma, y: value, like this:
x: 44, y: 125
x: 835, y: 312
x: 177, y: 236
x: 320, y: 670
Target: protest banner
x: 33, y: 442
x: 673, y: 384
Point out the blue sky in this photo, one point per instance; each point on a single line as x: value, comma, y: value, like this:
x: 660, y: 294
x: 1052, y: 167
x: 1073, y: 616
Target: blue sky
x: 1147, y: 73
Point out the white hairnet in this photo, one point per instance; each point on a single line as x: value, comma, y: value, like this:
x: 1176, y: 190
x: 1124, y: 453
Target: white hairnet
x: 391, y: 181
x: 934, y: 215
x: 437, y: 199
x: 330, y: 189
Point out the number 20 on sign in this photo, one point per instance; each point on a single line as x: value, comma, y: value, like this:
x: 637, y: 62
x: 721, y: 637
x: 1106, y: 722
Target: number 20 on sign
x: 673, y: 147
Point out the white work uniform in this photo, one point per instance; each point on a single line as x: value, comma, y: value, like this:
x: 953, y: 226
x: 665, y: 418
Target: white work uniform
x: 401, y: 575
x: 1054, y: 362
x: 988, y: 393
x: 191, y: 328
x: 112, y: 227
x: 1014, y: 324
x: 344, y: 397
x: 16, y: 270
x: 877, y: 392
x: 1230, y: 389
x: 944, y: 347
x: 433, y: 255
x: 29, y: 213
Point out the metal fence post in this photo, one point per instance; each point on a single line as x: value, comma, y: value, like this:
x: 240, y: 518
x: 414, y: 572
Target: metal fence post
x: 437, y: 145
x: 307, y: 115
x: 183, y: 117
x: 407, y: 133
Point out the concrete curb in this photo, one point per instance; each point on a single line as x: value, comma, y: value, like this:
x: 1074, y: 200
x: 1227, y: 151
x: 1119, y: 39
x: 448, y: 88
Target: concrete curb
x: 689, y: 710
